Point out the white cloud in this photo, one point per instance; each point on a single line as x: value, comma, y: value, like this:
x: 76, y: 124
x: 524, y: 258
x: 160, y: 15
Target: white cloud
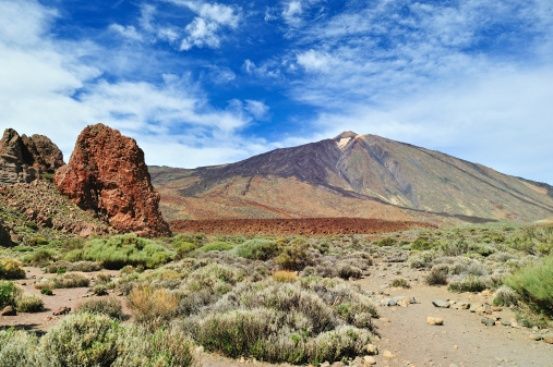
x: 292, y: 12
x: 205, y: 29
x: 469, y: 77
x: 46, y: 88
x: 128, y: 32
x: 201, y: 33
x: 499, y: 119
x: 314, y: 61
x: 257, y: 109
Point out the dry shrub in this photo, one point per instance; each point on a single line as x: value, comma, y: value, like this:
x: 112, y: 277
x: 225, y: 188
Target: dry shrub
x: 285, y: 276
x: 17, y: 348
x: 11, y: 269
x: 29, y: 303
x: 103, y: 306
x: 437, y: 276
x: 152, y: 305
x: 67, y: 280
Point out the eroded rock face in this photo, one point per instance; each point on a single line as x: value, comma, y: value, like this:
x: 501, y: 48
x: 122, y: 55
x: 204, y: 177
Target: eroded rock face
x: 23, y: 158
x: 107, y: 174
x: 44, y: 155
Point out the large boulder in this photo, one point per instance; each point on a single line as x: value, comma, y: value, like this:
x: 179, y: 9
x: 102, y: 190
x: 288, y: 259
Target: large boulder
x: 23, y: 158
x: 107, y: 173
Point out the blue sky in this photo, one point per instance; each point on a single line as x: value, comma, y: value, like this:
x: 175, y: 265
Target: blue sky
x: 200, y: 82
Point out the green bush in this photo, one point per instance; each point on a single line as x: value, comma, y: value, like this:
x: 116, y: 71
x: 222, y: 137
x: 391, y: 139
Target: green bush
x: 40, y: 257
x: 63, y: 266
x: 8, y: 293
x: 11, y: 269
x: 347, y: 271
x: 103, y: 306
x: 422, y: 243
x: 534, y: 284
x: 87, y: 340
x: 17, y: 348
x: 67, y: 280
x: 294, y: 256
x: 307, y: 321
x: 257, y: 249
x: 216, y: 246
x: 469, y: 283
x: 505, y: 296
x: 345, y: 341
x: 117, y: 251
x: 184, y: 248
x: 81, y: 339
x: 437, y: 276
x: 29, y: 303
x: 162, y: 348
x: 387, y: 241
x: 400, y: 283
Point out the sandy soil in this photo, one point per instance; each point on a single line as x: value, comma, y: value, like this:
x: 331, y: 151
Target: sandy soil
x: 69, y: 297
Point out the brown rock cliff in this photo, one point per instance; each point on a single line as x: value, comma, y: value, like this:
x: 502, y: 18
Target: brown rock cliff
x: 107, y: 174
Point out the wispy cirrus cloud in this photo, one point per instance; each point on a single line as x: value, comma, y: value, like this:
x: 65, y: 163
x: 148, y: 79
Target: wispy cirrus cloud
x: 448, y: 75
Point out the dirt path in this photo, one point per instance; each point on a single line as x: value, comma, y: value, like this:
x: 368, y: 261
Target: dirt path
x: 462, y: 341
x: 65, y: 297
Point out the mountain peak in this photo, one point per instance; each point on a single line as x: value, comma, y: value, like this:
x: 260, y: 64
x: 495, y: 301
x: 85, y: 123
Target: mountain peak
x: 346, y: 134
x: 345, y: 138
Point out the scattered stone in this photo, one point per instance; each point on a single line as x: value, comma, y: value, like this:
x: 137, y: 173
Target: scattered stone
x: 404, y: 302
x: 535, y: 337
x: 440, y: 303
x: 371, y: 349
x: 548, y: 338
x: 62, y: 311
x: 506, y: 323
x: 487, y: 321
x: 461, y: 305
x: 369, y: 361
x: 438, y: 321
x: 387, y: 354
x: 8, y: 311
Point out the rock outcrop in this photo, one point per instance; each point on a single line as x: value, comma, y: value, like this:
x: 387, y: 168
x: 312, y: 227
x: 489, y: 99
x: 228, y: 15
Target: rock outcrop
x: 23, y: 158
x: 43, y: 154
x: 5, y: 238
x: 107, y: 173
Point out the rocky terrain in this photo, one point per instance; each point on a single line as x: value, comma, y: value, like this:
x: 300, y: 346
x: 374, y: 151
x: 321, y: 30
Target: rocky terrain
x: 107, y: 174
x: 305, y: 226
x: 351, y: 175
x: 23, y: 158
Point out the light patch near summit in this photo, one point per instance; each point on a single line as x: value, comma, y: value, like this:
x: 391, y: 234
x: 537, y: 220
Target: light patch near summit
x: 343, y: 142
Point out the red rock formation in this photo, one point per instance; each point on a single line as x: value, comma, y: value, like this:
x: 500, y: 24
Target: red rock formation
x: 43, y: 154
x: 23, y: 158
x: 107, y: 173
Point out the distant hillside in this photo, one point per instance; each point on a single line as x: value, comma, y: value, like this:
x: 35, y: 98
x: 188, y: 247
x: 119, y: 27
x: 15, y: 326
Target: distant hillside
x: 351, y: 176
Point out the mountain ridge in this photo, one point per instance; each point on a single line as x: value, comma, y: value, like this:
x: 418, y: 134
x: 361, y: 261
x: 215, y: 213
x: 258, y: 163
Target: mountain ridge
x: 355, y: 167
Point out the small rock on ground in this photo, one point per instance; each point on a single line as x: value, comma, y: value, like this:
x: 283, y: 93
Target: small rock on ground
x: 438, y: 321
x: 487, y: 321
x: 440, y: 303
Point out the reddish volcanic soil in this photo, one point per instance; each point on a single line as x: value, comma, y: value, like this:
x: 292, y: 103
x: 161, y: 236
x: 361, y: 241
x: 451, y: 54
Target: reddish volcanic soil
x: 306, y: 226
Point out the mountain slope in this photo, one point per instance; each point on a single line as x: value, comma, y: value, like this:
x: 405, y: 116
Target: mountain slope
x: 351, y: 175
